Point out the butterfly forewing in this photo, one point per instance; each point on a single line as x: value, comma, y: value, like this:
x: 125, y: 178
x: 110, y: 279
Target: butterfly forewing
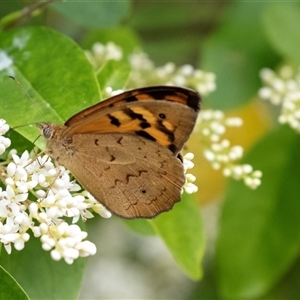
x: 169, y: 124
x: 181, y: 95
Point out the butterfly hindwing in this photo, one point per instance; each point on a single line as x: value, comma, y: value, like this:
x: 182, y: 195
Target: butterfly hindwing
x: 129, y: 175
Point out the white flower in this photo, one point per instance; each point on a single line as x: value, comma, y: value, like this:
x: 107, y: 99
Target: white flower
x: 140, y: 61
x: 4, y: 142
x: 144, y: 72
x: 58, y: 197
x: 213, y: 124
x: 3, y: 127
x: 219, y: 152
x: 101, y: 53
x: 110, y: 92
x: 67, y: 242
x: 189, y: 186
x: 283, y: 88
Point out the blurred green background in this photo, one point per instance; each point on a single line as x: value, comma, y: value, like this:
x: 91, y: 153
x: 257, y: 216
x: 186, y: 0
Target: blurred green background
x: 252, y: 239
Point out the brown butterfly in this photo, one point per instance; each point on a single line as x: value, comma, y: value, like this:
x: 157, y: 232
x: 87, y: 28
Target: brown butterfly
x: 126, y: 150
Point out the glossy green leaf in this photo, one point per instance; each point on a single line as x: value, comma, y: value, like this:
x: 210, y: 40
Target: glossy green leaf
x: 94, y: 14
x: 40, y: 276
x: 282, y: 21
x: 9, y: 287
x: 235, y: 53
x: 258, y: 239
x: 60, y: 82
x: 182, y: 231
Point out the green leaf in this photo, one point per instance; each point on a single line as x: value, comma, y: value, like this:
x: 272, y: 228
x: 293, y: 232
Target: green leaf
x: 94, y: 14
x: 182, y: 231
x: 141, y: 226
x: 235, y: 53
x: 40, y: 276
x: 258, y: 239
x: 288, y: 287
x: 52, y: 69
x: 9, y: 287
x: 113, y: 74
x: 282, y: 22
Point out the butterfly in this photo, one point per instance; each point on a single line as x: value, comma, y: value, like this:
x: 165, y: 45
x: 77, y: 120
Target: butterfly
x: 126, y: 150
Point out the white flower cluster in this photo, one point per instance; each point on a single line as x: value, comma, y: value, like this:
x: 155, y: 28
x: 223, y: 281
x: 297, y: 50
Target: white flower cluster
x: 58, y: 198
x: 189, y: 187
x: 283, y: 88
x: 145, y: 73
x: 100, y: 53
x: 4, y: 141
x: 220, y: 153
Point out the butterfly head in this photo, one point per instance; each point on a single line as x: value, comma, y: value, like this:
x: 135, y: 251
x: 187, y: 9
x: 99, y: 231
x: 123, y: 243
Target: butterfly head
x: 47, y: 129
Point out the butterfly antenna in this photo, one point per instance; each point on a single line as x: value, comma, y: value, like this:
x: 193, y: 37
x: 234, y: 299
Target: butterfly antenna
x: 26, y: 93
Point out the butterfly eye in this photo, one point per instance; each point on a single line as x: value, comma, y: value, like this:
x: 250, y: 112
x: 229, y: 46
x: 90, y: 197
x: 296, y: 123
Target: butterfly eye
x: 143, y: 191
x: 162, y: 116
x: 47, y: 132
